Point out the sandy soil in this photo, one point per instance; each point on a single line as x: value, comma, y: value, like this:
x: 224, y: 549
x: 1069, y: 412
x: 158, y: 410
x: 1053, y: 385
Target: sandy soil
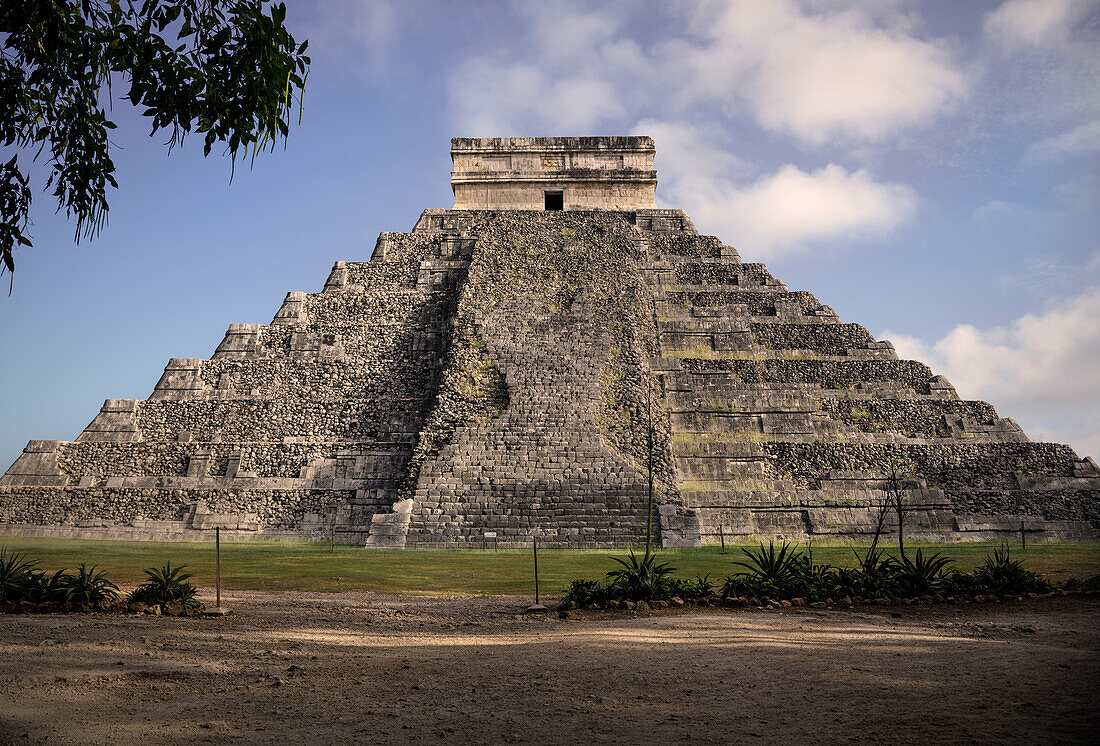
x: 363, y: 668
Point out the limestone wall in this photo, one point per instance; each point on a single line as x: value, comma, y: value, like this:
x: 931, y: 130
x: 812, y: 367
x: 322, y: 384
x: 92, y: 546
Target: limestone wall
x: 594, y: 194
x: 515, y: 173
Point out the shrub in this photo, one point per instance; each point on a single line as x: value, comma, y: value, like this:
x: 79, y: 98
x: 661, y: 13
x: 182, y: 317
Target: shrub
x: 43, y: 587
x: 586, y: 593
x: 700, y: 588
x: 964, y: 583
x: 845, y: 581
x: 1001, y: 574
x: 735, y: 586
x: 814, y: 581
x: 874, y: 575
x: 1091, y: 583
x: 15, y: 574
x: 164, y: 585
x: 681, y: 587
x: 88, y: 587
x: 641, y: 579
x: 921, y: 575
x: 784, y: 572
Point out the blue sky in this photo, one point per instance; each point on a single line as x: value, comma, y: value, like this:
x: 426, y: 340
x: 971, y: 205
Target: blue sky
x: 929, y: 169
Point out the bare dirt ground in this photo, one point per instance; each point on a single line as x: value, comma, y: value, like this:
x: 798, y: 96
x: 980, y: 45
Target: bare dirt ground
x: 367, y: 668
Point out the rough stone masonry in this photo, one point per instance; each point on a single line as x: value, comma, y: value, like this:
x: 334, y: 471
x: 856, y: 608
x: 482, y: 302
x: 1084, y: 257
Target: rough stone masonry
x: 497, y: 369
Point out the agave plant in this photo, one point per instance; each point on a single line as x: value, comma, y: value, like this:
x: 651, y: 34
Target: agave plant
x: 735, y: 586
x: 875, y: 562
x: 42, y: 586
x: 702, y: 587
x: 15, y: 574
x: 164, y: 585
x: 812, y: 573
x: 874, y: 574
x: 845, y: 581
x: 640, y: 579
x: 921, y: 574
x: 772, y: 572
x: 1003, y: 575
x: 88, y: 587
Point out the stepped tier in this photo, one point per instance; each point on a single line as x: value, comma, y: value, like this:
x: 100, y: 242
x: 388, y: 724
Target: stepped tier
x: 788, y: 422
x: 493, y: 372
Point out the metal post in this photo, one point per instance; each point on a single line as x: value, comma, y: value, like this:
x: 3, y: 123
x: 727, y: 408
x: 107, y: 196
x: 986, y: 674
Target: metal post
x: 722, y: 536
x: 538, y: 607
x: 1023, y: 536
x: 217, y: 610
x: 332, y: 539
x: 218, y: 565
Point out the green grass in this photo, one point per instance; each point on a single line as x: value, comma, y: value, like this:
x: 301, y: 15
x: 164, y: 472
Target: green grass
x: 286, y: 566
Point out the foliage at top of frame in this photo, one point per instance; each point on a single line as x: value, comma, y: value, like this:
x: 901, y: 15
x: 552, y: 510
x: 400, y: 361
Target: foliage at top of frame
x: 227, y: 69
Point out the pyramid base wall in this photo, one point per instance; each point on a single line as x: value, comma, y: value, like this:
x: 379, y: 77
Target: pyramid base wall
x: 182, y: 533
x: 977, y: 529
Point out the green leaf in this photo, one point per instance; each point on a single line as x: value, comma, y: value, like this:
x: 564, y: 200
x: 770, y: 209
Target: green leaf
x: 227, y: 71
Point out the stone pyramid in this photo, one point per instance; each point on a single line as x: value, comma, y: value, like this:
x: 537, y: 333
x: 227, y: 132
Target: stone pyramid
x: 515, y: 365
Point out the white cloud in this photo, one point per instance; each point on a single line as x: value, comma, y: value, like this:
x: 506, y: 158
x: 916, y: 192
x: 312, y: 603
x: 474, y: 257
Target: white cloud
x: 848, y: 70
x: 1093, y: 263
x: 833, y: 71
x: 995, y: 212
x: 1035, y: 23
x: 492, y: 100
x: 1042, y: 369
x: 575, y: 73
x: 565, y: 78
x: 562, y: 31
x: 792, y: 208
x: 1080, y: 141
x: 776, y: 213
x: 692, y: 150
x: 1040, y: 71
x: 354, y: 31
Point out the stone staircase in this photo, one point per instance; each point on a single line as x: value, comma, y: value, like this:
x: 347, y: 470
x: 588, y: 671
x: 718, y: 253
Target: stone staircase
x: 539, y: 467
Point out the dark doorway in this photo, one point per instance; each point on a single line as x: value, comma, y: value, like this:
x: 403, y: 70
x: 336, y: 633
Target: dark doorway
x: 555, y: 201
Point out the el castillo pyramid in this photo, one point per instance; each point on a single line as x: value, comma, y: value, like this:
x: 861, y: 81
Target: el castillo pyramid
x: 494, y: 373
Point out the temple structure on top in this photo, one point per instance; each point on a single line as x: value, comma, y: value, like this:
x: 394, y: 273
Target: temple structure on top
x: 553, y: 173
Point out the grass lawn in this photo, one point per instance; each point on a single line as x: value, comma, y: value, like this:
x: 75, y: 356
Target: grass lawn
x: 287, y: 566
